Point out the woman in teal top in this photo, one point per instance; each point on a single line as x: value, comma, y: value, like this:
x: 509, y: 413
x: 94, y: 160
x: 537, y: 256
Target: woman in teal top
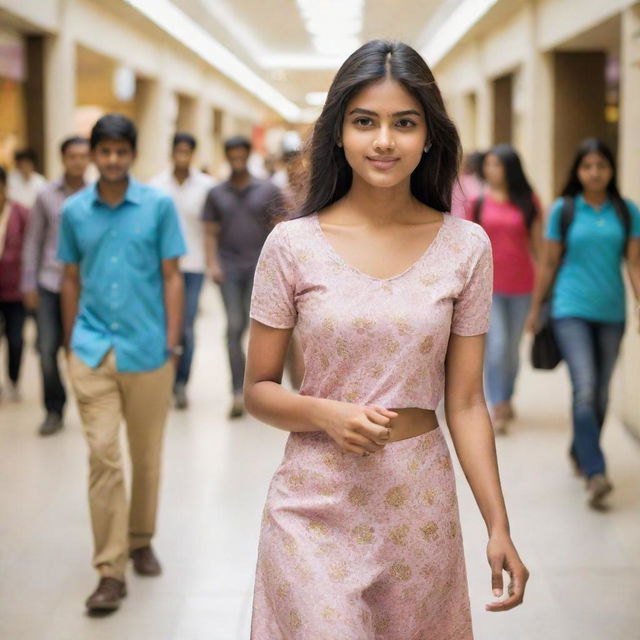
x: 582, y: 270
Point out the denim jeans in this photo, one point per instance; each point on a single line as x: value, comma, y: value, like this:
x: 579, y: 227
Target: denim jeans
x: 590, y: 350
x: 236, y: 294
x: 192, y: 288
x: 502, y: 359
x: 12, y: 317
x: 50, y: 338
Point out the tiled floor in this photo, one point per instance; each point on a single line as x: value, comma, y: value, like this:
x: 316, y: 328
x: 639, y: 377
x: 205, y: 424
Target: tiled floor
x: 585, y: 566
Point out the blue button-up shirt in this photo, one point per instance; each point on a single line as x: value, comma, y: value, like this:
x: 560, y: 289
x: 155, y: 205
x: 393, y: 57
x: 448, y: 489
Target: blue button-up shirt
x: 120, y: 251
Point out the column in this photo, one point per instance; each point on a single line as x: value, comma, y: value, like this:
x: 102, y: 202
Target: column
x: 59, y: 91
x: 629, y: 170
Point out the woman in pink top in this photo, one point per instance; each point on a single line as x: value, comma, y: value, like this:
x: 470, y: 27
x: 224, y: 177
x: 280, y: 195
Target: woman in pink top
x: 510, y: 214
x: 361, y: 535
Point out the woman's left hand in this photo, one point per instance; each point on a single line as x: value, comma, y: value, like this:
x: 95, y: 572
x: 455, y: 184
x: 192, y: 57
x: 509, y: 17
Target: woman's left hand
x: 502, y: 556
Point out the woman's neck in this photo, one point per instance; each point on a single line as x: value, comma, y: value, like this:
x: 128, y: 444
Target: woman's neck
x: 595, y: 198
x: 498, y: 193
x: 379, y: 206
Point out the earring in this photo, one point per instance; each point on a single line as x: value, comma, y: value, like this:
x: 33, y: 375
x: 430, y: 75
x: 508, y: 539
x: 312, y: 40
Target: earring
x: 339, y: 144
x: 427, y: 147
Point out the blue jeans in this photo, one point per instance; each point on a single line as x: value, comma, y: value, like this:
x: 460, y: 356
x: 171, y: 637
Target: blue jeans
x: 502, y: 359
x: 192, y: 287
x: 236, y: 294
x: 50, y: 338
x: 590, y: 349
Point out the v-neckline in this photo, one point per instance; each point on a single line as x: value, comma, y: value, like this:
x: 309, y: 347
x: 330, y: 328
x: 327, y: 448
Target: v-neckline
x: 338, y: 258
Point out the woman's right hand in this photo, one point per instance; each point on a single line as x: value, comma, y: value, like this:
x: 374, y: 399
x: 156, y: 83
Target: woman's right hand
x: 532, y: 321
x: 360, y: 430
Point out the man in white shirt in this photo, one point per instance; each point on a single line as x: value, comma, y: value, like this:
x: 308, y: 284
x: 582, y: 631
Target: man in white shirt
x: 24, y: 182
x: 188, y: 188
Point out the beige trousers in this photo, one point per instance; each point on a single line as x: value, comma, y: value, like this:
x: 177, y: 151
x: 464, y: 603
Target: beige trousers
x: 106, y: 396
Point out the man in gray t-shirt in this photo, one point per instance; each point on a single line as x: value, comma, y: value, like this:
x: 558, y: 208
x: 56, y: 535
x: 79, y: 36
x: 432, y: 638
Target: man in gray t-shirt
x: 238, y: 215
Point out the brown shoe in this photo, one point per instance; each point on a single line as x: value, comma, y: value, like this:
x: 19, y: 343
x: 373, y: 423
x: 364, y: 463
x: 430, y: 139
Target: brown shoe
x: 598, y: 486
x: 145, y: 562
x: 107, y: 596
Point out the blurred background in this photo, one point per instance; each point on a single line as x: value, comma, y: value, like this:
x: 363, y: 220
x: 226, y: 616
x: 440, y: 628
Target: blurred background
x: 538, y: 74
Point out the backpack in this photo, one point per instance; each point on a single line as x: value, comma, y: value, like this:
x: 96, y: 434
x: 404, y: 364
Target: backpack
x: 569, y: 213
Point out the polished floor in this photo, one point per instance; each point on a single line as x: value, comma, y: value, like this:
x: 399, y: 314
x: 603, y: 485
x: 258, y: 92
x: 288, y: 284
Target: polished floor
x: 585, y: 566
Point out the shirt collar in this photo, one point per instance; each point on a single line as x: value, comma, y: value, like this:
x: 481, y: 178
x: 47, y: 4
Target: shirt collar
x: 253, y: 182
x: 61, y: 185
x: 581, y: 201
x: 131, y: 195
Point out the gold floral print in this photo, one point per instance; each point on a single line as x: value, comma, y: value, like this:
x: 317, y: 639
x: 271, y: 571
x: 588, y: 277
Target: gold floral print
x: 342, y: 347
x: 398, y: 535
x: 430, y: 531
x: 429, y: 497
x: 295, y: 622
x: 452, y: 529
x: 426, y: 345
x: 362, y: 324
x: 358, y: 496
x: 390, y: 345
x: 397, y: 496
x: 316, y: 526
x: 329, y: 325
x: 401, y: 570
x: 363, y: 534
x: 403, y: 325
x: 338, y: 571
x: 296, y: 481
x: 330, y: 614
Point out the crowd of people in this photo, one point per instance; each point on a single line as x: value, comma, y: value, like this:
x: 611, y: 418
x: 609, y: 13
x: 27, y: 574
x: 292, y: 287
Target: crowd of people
x: 112, y: 271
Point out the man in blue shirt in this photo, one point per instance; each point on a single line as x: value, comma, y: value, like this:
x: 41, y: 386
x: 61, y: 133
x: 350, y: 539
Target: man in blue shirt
x: 122, y: 301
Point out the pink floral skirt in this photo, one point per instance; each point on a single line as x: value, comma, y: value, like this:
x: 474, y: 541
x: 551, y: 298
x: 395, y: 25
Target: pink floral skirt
x: 362, y: 548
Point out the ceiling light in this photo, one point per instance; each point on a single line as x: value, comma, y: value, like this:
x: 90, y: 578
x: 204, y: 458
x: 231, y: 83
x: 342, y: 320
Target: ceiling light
x: 316, y: 98
x: 190, y: 34
x: 334, y: 25
x: 465, y: 15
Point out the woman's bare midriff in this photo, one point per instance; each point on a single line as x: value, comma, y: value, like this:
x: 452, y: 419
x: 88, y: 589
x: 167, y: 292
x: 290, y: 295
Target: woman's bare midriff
x: 412, y: 422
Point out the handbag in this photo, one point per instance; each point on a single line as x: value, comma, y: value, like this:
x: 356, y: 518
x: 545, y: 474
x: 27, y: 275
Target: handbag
x: 545, y: 353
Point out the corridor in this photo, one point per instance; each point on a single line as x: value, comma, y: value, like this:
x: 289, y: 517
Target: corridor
x: 584, y: 565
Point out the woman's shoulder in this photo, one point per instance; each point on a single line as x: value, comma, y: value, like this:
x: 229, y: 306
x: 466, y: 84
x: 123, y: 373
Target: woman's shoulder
x: 468, y: 230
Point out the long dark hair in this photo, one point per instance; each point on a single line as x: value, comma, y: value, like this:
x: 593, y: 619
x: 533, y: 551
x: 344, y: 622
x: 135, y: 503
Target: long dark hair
x: 518, y: 187
x: 592, y: 145
x: 329, y: 174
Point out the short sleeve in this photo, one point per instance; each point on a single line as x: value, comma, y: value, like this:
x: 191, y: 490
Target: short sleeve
x: 172, y: 243
x: 210, y: 212
x: 554, y: 230
x: 472, y: 308
x: 272, y: 300
x: 635, y: 218
x: 68, y: 249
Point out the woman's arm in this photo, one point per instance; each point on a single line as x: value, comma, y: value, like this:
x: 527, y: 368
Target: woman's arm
x: 536, y: 239
x: 633, y: 269
x: 360, y: 430
x: 545, y: 275
x: 472, y: 434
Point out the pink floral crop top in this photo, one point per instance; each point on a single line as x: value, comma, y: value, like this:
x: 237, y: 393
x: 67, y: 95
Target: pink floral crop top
x: 367, y: 340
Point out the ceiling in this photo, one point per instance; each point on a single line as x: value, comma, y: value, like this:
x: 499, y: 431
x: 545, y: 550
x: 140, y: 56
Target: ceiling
x: 272, y: 38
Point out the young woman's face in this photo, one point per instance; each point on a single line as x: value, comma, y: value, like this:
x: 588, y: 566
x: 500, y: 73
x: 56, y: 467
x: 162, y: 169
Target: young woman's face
x: 384, y: 134
x: 594, y: 172
x: 493, y: 171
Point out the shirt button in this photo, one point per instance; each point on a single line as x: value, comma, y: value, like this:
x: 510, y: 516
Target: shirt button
x: 114, y: 259
x: 115, y: 325
x: 114, y: 285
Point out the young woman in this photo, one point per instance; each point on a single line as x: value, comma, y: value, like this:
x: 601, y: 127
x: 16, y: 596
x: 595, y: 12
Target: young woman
x: 581, y: 268
x: 13, y: 225
x: 510, y: 214
x: 361, y: 534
